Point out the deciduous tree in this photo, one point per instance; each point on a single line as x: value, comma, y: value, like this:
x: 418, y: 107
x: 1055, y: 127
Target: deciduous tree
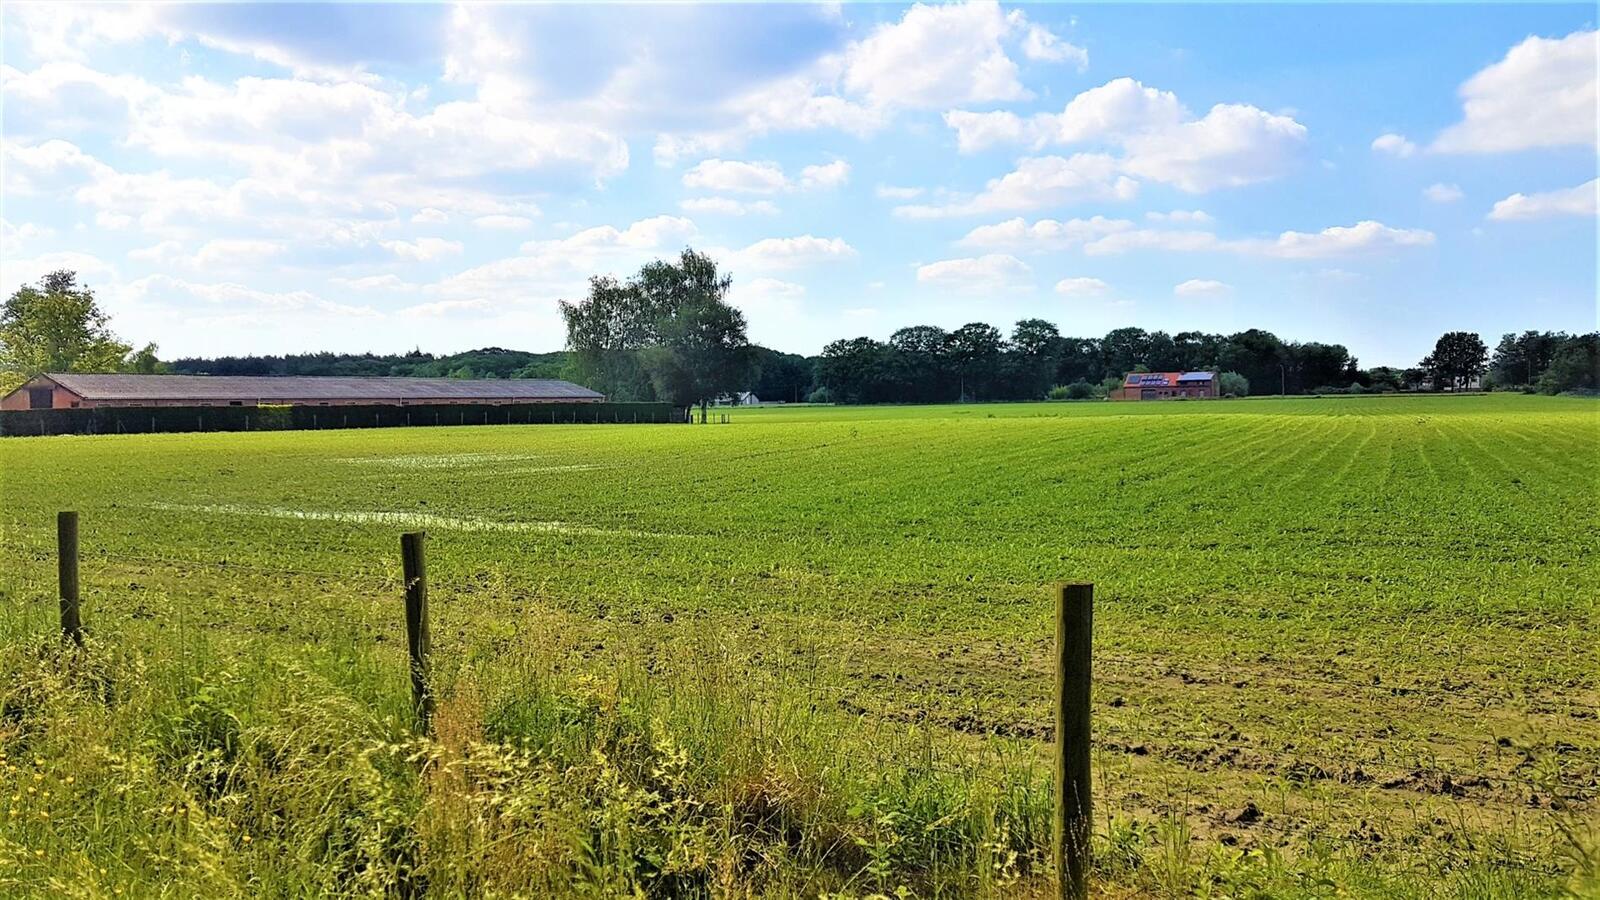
x: 1457, y: 359
x: 1036, y: 354
x: 666, y: 333
x: 975, y: 349
x: 56, y: 326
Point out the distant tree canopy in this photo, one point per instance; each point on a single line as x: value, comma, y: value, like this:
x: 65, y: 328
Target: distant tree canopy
x: 489, y: 362
x: 1458, y: 359
x: 918, y: 364
x: 782, y: 377
x: 924, y: 363
x: 56, y: 326
x: 1547, y: 361
x: 667, y: 333
x: 1575, y: 366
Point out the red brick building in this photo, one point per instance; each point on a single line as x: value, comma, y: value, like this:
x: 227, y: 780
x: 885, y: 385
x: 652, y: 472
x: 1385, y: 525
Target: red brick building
x: 1167, y: 386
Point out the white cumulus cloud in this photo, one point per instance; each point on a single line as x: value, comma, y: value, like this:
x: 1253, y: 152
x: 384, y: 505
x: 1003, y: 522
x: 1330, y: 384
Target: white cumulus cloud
x: 1572, y: 201
x: 1200, y: 287
x: 1542, y: 94
x: 423, y: 249
x: 1038, y: 182
x: 736, y: 177
x: 1442, y: 193
x: 1081, y: 287
x: 978, y: 131
x: 1232, y: 145
x: 937, y: 55
x: 1045, y: 46
x: 1394, y: 145
x: 829, y: 175
x: 990, y: 272
x: 1341, y: 240
x: 793, y: 252
x: 1182, y: 217
x: 1042, y: 235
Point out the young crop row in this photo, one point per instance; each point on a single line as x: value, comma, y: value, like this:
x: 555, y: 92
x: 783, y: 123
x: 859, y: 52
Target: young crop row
x: 1369, y: 621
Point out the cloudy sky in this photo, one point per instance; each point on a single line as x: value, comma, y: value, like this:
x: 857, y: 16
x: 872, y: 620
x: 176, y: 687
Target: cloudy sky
x: 272, y: 179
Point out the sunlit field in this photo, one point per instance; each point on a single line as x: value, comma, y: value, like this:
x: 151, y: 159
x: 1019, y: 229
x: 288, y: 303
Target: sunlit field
x: 1340, y: 642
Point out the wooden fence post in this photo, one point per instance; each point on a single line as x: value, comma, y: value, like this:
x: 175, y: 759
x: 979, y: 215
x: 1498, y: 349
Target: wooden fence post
x: 67, y: 570
x: 413, y: 563
x: 1073, y: 816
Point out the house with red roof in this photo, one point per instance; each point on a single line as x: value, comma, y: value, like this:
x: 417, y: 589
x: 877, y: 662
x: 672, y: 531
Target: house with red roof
x: 1167, y: 386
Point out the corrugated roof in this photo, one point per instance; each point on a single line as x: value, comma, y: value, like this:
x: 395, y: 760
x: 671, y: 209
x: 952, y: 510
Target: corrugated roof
x: 316, y: 387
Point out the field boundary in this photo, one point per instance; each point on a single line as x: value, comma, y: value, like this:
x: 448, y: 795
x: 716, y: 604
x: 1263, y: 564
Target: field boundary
x: 1073, y: 735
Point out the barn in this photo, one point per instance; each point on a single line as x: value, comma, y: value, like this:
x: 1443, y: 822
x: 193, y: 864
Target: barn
x: 71, y: 391
x: 1166, y: 386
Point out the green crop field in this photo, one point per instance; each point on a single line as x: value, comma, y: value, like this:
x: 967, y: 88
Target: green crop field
x: 1344, y: 647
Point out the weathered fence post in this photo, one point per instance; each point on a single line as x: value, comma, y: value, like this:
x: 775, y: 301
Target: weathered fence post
x: 413, y: 563
x: 67, y: 569
x: 1073, y: 817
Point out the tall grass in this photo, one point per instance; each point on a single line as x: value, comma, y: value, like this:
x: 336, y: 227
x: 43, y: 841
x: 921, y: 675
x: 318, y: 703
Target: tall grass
x: 182, y: 762
x: 221, y: 767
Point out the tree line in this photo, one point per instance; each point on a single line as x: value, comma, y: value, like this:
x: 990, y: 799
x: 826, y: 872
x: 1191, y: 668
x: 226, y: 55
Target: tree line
x: 489, y: 362
x: 668, y: 333
x: 924, y: 363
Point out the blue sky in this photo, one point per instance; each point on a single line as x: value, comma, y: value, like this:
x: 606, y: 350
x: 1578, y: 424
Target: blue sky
x: 281, y: 178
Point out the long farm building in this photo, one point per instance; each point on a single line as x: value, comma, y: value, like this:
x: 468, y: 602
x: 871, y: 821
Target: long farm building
x: 69, y: 391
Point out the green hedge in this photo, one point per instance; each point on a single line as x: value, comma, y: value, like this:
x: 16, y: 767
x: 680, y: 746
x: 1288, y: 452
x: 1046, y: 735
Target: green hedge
x: 148, y: 419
